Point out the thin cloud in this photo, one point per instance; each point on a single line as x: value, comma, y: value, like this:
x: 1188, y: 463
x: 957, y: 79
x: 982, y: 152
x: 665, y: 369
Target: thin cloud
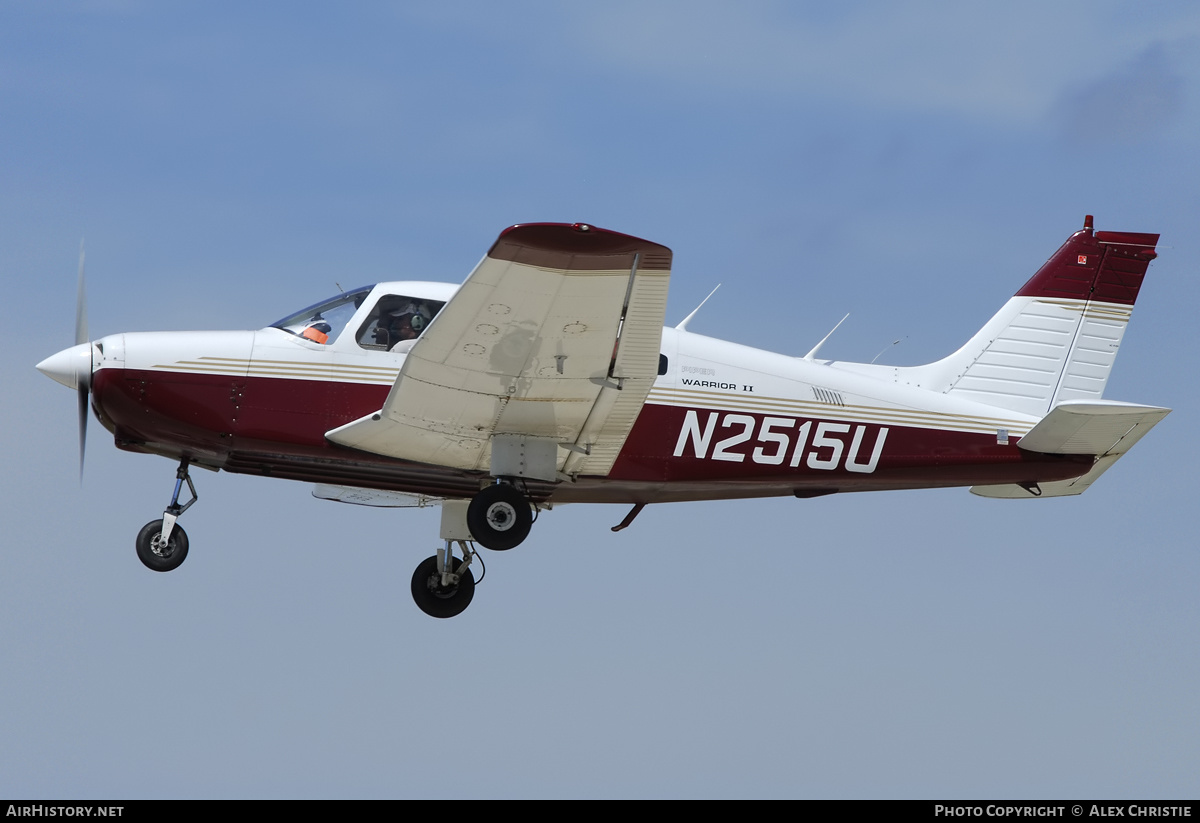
x: 1127, y: 106
x: 981, y: 62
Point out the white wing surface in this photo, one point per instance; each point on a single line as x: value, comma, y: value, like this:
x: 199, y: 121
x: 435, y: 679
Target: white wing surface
x: 542, y: 360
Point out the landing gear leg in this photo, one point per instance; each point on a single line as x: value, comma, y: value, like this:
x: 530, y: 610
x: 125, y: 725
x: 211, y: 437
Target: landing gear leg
x: 443, y: 585
x: 161, y: 544
x: 500, y: 516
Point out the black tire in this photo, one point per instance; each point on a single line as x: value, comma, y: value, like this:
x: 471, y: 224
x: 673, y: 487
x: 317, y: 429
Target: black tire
x: 437, y: 600
x: 499, y: 517
x: 163, y: 560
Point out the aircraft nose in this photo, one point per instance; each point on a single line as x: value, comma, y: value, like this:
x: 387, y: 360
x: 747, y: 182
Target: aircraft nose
x: 72, y: 367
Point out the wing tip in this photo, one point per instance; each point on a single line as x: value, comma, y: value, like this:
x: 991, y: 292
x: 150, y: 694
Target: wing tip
x: 577, y: 246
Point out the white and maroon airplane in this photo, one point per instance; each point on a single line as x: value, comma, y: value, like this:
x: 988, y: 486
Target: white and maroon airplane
x: 547, y: 377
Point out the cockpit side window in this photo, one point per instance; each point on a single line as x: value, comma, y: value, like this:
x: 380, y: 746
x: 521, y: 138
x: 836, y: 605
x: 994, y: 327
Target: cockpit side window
x: 395, y: 319
x: 323, y: 322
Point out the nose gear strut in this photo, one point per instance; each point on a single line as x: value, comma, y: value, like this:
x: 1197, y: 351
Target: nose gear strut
x: 162, y: 545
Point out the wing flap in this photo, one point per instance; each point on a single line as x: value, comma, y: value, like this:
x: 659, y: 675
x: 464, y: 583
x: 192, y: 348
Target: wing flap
x: 636, y: 364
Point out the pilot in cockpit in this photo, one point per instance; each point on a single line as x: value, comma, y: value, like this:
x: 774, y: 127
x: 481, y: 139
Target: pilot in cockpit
x: 408, y: 321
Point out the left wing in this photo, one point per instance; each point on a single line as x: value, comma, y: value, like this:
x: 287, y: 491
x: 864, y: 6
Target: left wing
x: 538, y: 366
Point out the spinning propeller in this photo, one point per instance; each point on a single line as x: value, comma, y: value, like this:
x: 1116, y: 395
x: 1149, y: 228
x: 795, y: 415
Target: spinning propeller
x: 73, y: 367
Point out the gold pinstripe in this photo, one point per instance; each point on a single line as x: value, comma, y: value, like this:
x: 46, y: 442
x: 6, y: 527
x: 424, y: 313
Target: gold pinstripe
x: 1101, y: 311
x: 659, y: 396
x: 284, y: 368
x: 825, y: 411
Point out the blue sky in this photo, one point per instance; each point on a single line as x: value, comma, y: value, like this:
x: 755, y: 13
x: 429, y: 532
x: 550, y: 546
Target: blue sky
x: 912, y: 165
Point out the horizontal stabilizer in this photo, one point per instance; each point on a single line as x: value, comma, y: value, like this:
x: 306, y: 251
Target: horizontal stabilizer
x: 373, y: 497
x: 1098, y: 428
x: 1107, y: 429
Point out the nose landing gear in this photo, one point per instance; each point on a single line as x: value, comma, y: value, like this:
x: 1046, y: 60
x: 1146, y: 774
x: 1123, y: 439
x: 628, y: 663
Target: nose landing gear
x: 161, y: 544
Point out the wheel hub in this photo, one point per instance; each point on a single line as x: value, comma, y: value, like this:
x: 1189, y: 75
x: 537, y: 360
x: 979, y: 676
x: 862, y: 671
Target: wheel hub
x: 501, y: 516
x: 438, y: 590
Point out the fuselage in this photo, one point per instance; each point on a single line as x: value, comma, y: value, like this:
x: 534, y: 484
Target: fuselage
x: 547, y: 377
x: 722, y: 420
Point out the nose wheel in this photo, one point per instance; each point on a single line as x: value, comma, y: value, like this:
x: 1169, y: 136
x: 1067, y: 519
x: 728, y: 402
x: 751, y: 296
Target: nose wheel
x: 158, y: 555
x: 162, y: 546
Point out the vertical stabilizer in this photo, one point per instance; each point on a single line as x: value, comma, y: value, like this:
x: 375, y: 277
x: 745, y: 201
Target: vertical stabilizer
x: 1057, y: 337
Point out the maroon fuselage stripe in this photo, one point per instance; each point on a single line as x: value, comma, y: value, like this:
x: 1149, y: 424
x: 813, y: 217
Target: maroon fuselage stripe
x: 276, y: 426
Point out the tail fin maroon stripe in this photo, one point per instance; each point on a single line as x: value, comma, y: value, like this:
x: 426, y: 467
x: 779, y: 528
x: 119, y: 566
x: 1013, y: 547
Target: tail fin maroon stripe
x: 1107, y: 266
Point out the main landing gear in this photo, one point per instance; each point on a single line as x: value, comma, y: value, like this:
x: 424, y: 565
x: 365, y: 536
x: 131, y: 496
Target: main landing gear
x: 161, y: 544
x: 498, y: 517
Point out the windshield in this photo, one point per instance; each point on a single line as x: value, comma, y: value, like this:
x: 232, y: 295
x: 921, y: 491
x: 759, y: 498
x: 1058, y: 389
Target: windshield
x: 324, y: 321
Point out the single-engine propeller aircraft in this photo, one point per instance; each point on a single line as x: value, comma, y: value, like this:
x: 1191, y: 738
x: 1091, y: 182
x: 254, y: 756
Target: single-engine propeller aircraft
x: 547, y: 377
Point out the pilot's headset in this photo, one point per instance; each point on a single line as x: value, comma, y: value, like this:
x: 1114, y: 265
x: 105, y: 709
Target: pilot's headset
x: 419, y: 315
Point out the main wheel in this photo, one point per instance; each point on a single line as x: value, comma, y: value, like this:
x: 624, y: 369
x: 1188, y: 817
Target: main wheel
x: 499, y: 517
x: 437, y: 600
x: 154, y: 554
